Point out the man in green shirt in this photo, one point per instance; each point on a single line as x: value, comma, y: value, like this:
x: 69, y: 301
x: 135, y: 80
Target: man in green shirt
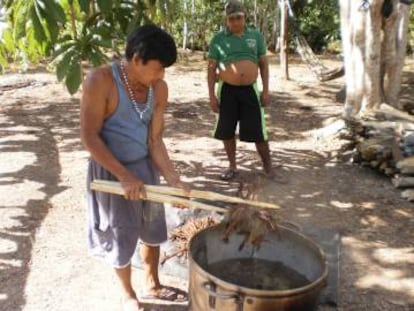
x: 238, y: 53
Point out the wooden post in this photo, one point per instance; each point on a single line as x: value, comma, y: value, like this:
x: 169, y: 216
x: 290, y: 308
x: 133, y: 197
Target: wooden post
x: 284, y: 40
x: 276, y: 28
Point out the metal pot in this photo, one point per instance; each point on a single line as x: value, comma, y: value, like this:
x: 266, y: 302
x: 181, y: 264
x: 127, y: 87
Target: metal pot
x: 207, y: 292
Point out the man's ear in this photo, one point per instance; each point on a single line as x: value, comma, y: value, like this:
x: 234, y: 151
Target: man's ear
x: 136, y: 59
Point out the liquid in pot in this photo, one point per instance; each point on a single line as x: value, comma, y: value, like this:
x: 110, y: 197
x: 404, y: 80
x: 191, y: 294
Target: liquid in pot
x: 256, y: 273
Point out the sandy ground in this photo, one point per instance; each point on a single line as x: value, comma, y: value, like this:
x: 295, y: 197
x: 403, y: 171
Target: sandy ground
x: 43, y: 258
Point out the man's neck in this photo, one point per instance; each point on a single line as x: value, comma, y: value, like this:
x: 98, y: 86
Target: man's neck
x: 133, y: 81
x: 237, y: 33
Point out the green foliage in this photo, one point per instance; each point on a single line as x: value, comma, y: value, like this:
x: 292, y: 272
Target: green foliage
x: 105, y: 6
x: 318, y: 22
x: 77, y: 32
x: 72, y: 51
x: 85, y: 6
x: 44, y: 17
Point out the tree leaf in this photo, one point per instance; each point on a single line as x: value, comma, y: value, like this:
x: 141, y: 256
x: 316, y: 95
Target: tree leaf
x: 64, y: 64
x: 103, y: 31
x: 55, y: 11
x: 85, y: 6
x: 96, y: 57
x: 32, y: 47
x: 53, y: 31
x: 3, y: 58
x: 39, y: 32
x: 51, y: 13
x: 106, y: 43
x: 20, y: 19
x: 105, y: 5
x: 8, y: 41
x: 64, y: 47
x: 73, y: 78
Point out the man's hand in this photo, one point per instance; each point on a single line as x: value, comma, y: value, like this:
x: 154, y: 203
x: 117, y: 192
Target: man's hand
x: 264, y: 99
x: 134, y: 189
x: 182, y: 185
x: 186, y: 188
x: 214, y: 104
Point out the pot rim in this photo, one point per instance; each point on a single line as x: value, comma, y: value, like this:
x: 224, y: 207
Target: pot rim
x: 321, y: 281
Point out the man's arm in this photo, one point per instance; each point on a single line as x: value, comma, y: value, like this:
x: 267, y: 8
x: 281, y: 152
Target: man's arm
x: 93, y: 111
x: 211, y: 81
x: 264, y: 74
x: 157, y: 149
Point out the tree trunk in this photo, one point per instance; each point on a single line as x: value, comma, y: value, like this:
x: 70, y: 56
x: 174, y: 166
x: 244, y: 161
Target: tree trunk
x: 347, y: 44
x: 255, y: 13
x: 284, y: 41
x: 73, y: 21
x: 374, y: 50
x: 192, y: 25
x: 396, y: 53
x: 185, y: 26
x: 275, y: 34
x: 165, y: 17
x: 371, y: 95
x: 264, y: 23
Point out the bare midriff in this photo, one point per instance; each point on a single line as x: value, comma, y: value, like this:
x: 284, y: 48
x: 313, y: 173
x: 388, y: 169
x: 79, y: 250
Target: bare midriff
x: 242, y: 72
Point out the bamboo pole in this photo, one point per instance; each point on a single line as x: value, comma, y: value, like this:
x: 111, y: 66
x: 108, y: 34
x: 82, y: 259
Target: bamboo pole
x: 199, y: 194
x: 116, y: 188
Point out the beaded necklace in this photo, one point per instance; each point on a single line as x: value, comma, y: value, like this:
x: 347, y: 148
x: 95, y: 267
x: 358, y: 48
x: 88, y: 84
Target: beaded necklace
x: 131, y: 94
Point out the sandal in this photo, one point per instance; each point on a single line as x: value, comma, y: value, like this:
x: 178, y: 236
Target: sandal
x: 166, y: 293
x: 228, y: 174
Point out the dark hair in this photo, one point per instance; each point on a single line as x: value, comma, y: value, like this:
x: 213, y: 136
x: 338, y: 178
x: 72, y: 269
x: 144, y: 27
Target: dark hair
x: 150, y: 42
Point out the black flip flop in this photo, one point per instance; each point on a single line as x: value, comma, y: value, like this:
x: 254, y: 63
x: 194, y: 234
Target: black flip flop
x: 228, y: 174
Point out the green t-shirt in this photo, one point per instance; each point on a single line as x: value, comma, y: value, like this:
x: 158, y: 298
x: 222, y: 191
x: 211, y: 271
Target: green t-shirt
x: 227, y: 48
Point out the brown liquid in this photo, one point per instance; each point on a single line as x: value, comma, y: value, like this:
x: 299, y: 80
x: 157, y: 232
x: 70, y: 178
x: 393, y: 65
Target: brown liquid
x: 257, y: 273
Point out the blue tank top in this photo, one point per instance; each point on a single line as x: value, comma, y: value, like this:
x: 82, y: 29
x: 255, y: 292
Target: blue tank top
x: 124, y: 132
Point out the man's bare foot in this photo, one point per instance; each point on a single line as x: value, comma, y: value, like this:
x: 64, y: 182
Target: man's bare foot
x: 130, y: 303
x: 276, y: 177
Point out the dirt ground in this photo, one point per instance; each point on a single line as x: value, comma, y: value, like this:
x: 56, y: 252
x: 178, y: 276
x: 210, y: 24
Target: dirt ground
x: 43, y: 258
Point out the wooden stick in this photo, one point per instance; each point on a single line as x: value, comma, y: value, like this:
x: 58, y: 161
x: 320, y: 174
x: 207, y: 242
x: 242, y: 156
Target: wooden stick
x: 387, y: 109
x: 199, y: 194
x: 403, y: 182
x: 116, y: 188
x: 408, y: 194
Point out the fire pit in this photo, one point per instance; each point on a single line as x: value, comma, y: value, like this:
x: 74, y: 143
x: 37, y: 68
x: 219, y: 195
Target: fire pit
x: 287, y: 273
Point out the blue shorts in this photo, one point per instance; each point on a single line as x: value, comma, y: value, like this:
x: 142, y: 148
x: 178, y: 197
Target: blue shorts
x: 115, y: 224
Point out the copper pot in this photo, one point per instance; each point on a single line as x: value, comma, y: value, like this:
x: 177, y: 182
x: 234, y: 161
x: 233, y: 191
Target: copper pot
x: 207, y: 292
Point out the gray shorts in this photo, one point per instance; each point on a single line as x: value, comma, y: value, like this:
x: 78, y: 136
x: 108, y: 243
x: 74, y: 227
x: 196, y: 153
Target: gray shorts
x: 115, y: 224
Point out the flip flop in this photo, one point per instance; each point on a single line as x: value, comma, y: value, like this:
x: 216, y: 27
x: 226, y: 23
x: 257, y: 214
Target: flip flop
x: 166, y: 293
x: 228, y: 174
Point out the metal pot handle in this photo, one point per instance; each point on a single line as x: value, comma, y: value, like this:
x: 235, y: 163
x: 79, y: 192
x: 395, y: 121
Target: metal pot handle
x: 209, y: 288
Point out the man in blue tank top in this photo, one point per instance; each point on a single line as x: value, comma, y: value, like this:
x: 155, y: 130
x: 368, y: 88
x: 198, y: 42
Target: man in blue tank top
x: 122, y: 119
